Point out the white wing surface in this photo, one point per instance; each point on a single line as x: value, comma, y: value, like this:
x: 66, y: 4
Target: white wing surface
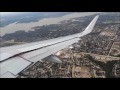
x: 14, y: 59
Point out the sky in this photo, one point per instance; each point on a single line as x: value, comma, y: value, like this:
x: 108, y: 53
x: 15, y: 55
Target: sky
x: 4, y: 13
x: 7, y: 13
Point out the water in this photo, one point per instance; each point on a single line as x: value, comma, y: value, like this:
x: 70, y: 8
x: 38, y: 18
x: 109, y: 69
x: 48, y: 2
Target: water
x: 13, y: 27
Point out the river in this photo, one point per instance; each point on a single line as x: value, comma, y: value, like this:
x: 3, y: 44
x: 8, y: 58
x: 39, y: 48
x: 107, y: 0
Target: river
x: 13, y: 27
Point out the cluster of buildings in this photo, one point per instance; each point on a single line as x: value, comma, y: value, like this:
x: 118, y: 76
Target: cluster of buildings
x: 74, y: 65
x: 116, y: 70
x: 115, y: 49
x: 95, y: 44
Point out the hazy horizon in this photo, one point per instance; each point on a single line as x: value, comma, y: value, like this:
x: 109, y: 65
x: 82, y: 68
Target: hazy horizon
x: 13, y: 27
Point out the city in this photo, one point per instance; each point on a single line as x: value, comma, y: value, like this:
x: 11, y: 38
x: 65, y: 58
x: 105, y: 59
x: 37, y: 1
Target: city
x: 96, y: 55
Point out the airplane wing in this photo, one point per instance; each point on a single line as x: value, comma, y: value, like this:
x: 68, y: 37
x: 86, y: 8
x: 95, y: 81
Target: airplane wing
x: 14, y: 59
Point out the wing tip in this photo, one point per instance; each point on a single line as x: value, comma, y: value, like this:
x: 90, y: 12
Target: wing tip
x: 91, y: 25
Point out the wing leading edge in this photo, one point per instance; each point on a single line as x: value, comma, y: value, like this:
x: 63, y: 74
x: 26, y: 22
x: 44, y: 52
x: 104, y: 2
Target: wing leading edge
x: 33, y: 52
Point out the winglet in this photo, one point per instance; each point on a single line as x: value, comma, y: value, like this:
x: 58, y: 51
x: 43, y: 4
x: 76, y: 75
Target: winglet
x: 90, y: 26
